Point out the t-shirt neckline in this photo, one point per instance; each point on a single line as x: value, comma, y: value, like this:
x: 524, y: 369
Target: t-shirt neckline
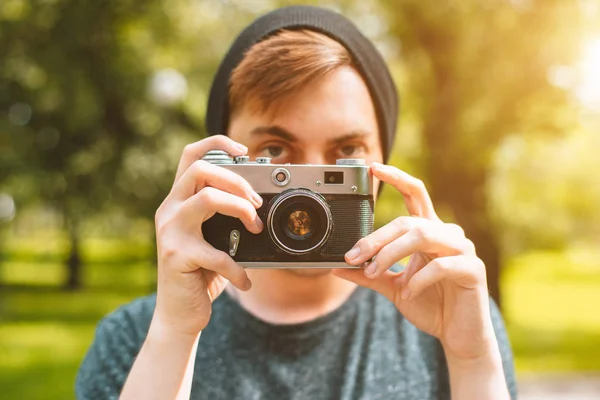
x: 243, y: 317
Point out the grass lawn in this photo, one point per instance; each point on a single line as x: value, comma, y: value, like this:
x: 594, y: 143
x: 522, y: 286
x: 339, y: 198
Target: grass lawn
x: 44, y: 331
x: 551, y: 307
x: 551, y: 304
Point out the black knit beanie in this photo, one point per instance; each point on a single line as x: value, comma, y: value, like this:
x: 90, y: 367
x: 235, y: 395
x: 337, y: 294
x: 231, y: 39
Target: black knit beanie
x: 367, y: 60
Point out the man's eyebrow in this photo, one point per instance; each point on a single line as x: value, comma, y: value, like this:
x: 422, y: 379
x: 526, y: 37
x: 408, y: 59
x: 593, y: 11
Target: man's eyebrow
x: 284, y: 134
x: 275, y: 131
x: 356, y: 134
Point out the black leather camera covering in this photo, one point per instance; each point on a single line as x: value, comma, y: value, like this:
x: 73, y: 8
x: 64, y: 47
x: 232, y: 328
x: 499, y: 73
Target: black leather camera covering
x: 352, y: 220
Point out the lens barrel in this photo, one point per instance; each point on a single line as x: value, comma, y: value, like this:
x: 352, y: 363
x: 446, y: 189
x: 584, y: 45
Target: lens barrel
x: 299, y: 221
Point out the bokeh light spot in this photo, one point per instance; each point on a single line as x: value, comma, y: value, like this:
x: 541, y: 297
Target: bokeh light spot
x: 20, y: 114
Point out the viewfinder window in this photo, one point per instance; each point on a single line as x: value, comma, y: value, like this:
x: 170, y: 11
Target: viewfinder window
x: 334, y: 177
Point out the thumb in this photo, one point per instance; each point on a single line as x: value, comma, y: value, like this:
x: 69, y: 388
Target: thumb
x: 383, y: 284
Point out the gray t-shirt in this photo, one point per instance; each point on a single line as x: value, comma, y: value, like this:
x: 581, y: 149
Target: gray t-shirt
x: 365, y: 349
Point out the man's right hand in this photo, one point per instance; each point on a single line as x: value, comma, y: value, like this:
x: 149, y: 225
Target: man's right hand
x: 192, y: 273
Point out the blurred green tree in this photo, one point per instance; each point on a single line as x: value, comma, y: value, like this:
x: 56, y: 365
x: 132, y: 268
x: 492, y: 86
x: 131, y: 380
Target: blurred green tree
x: 67, y: 79
x: 476, y: 73
x: 100, y: 98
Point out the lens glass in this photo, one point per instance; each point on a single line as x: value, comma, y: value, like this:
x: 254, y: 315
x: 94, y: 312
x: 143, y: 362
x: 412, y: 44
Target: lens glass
x: 299, y: 224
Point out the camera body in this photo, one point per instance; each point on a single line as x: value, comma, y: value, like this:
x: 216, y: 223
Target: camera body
x: 313, y: 214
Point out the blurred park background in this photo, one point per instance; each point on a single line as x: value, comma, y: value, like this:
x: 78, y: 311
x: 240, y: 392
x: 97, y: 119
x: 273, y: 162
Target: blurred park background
x: 500, y: 117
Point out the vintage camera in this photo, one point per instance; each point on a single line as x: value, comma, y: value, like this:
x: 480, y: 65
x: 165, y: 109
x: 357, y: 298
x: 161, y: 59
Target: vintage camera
x: 313, y: 214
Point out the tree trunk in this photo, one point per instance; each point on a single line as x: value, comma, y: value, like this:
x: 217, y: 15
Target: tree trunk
x: 456, y: 168
x: 489, y: 251
x: 466, y: 197
x: 73, y: 262
x: 461, y: 186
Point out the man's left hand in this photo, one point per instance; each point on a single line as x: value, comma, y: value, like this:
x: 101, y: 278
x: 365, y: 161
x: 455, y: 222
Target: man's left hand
x: 443, y: 289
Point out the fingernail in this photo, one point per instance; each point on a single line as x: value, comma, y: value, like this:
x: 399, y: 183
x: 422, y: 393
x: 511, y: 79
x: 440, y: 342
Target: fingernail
x: 247, y: 284
x: 257, y: 199
x: 406, y: 293
x: 371, y: 268
x: 259, y: 223
x: 241, y: 147
x: 353, y: 253
x: 377, y: 165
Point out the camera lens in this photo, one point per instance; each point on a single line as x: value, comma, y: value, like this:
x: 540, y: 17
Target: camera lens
x: 299, y: 224
x: 299, y: 221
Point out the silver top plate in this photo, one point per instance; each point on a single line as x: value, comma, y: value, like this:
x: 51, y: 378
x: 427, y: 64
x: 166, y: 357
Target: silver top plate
x: 356, y: 179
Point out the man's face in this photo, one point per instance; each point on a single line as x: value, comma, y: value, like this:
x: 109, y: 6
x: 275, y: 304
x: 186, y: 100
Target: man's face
x: 332, y: 118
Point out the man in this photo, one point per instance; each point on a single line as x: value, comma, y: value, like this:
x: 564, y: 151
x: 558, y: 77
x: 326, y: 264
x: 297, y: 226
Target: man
x: 302, y: 85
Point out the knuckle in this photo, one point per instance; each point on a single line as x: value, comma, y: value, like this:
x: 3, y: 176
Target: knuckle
x: 469, y: 246
x: 219, y: 259
x: 402, y: 222
x: 248, y: 211
x: 422, y: 232
x: 167, y: 251
x: 417, y: 185
x: 477, y: 267
x: 248, y: 188
x: 362, y: 243
x: 199, y: 166
x: 163, y: 229
x: 479, y: 264
x: 220, y: 138
x: 456, y: 229
x: 188, y: 149
x: 218, y: 141
x: 164, y: 209
x: 160, y: 230
x: 440, y: 264
x: 384, y: 258
x: 395, y: 177
x: 207, y: 196
x: 158, y: 215
x: 370, y: 242
x: 240, y: 182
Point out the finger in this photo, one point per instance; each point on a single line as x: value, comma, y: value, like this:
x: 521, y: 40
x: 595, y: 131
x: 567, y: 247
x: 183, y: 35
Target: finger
x: 384, y: 284
x: 465, y: 271
x: 209, y: 201
x: 455, y: 229
x: 201, y: 174
x: 415, y: 263
x: 371, y: 244
x: 422, y: 228
x: 413, y: 190
x: 432, y: 238
x: 197, y: 150
x: 207, y: 257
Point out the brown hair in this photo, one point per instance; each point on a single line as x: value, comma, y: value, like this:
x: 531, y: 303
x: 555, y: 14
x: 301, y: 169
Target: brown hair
x: 278, y: 67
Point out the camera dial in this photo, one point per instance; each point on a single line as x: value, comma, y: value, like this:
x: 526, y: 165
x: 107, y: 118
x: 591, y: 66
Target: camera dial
x: 242, y: 159
x: 218, y: 157
x: 350, y: 161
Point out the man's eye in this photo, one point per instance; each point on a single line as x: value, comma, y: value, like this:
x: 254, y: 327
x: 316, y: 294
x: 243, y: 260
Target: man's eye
x: 349, y: 150
x: 274, y: 151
